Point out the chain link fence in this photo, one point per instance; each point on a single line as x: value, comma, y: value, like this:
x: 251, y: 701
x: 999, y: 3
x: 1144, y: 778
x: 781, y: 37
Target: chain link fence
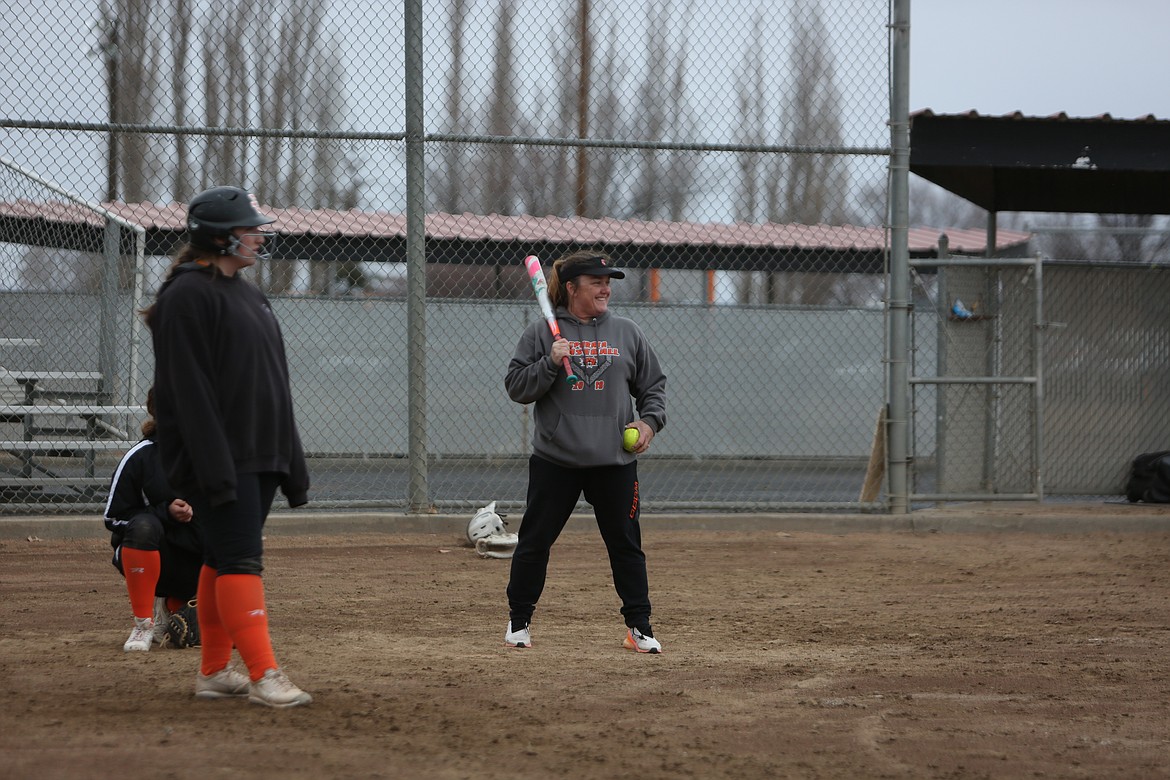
x: 978, y: 396
x: 1037, y: 379
x: 733, y: 157
x: 720, y: 152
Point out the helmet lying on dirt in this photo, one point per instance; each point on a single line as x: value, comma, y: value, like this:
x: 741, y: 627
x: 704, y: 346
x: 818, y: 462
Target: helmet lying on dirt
x: 489, y: 535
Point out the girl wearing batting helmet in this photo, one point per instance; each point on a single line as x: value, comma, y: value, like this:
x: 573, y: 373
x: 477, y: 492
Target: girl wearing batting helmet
x: 227, y: 436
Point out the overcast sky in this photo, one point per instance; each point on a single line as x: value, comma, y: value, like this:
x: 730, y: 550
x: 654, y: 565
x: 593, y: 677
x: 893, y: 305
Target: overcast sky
x: 1041, y: 57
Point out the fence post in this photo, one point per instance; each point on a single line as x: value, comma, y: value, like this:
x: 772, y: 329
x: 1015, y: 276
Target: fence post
x: 416, y: 268
x: 898, y: 308
x: 111, y: 259
x: 941, y: 368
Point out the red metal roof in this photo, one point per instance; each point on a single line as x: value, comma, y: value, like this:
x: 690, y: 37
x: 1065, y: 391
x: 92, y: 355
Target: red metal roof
x: 495, y: 227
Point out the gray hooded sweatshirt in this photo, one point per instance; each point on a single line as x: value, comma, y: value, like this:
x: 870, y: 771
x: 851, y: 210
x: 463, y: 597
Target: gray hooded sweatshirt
x: 580, y: 425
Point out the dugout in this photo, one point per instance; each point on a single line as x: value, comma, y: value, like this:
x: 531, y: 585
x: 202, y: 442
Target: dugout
x: 472, y: 239
x: 1097, y: 165
x: 1072, y: 348
x: 477, y: 256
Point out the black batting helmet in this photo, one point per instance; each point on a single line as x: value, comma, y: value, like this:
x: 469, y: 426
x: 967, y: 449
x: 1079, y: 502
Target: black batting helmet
x: 213, y: 213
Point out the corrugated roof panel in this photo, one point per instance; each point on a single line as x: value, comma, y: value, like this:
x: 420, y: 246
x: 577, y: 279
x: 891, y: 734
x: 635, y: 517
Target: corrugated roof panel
x: 525, y: 228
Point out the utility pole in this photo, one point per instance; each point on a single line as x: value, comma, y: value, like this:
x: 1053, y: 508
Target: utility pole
x: 107, y: 49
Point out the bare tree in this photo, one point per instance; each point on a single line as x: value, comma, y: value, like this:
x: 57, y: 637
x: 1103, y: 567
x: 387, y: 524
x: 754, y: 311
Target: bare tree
x: 183, y: 185
x: 575, y: 181
x: 453, y: 157
x: 749, y: 131
x: 601, y: 195
x: 681, y: 167
x: 499, y: 160
x: 455, y: 185
x: 260, y: 67
x: 133, y: 60
x: 217, y: 90
x: 588, y: 91
x: 930, y: 206
x: 664, y: 180
x: 807, y: 187
x: 143, y: 66
x: 1138, y: 238
x: 753, y: 105
x: 545, y: 184
x: 814, y: 184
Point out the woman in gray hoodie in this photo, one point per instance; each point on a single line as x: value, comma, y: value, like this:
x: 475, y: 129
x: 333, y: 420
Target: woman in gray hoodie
x: 578, y: 439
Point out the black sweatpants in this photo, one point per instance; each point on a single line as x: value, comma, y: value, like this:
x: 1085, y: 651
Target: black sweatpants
x: 553, y: 491
x: 233, y: 533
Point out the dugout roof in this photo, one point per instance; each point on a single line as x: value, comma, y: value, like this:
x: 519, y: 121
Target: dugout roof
x: 1097, y: 165
x: 468, y: 239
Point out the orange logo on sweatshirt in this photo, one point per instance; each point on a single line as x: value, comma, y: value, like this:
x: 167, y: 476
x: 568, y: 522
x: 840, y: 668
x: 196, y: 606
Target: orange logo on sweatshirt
x: 591, y: 359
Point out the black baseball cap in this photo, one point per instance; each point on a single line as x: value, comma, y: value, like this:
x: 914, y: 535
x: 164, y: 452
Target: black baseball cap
x: 594, y: 265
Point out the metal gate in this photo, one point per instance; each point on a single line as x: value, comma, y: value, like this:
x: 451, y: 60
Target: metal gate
x: 978, y: 407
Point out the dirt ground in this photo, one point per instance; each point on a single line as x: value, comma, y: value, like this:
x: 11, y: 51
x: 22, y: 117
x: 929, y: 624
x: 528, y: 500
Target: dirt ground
x: 787, y: 655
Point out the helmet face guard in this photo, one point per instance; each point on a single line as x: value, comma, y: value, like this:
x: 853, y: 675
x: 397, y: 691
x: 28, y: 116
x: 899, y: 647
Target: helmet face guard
x: 213, y: 214
x: 264, y: 252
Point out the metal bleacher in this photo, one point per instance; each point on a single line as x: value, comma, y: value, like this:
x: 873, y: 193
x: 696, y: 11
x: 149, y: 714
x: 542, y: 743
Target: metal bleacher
x: 70, y: 342
x: 55, y: 415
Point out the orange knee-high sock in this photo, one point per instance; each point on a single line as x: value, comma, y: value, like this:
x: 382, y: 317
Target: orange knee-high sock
x: 241, y: 608
x: 141, y: 568
x: 174, y: 603
x: 216, y: 642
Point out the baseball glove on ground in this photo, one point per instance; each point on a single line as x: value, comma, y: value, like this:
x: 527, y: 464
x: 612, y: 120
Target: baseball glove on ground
x: 183, y: 627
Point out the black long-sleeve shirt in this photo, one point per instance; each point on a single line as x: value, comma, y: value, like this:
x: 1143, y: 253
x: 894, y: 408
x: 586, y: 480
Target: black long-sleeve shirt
x: 139, y: 486
x: 221, y: 383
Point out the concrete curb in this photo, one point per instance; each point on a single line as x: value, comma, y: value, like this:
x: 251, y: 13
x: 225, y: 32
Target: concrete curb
x: 987, y: 517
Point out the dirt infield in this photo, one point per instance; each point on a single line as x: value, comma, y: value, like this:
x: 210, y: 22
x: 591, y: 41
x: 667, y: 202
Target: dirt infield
x: 787, y: 654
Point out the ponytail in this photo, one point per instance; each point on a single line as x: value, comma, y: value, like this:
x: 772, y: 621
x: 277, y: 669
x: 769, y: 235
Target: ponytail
x: 186, y: 253
x: 149, y: 426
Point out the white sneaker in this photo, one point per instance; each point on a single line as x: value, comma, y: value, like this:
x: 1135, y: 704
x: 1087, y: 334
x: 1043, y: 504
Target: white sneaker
x: 641, y: 643
x: 161, y: 616
x: 225, y: 684
x: 274, y: 689
x: 521, y: 638
x: 141, y: 636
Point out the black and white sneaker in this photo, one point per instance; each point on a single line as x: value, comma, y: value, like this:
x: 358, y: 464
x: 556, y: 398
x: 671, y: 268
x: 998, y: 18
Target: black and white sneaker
x: 519, y: 638
x: 641, y: 642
